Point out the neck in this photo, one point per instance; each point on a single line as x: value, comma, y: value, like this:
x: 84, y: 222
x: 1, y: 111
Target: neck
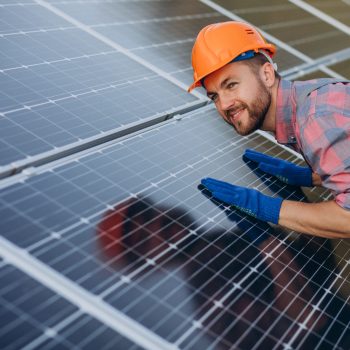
x: 270, y: 118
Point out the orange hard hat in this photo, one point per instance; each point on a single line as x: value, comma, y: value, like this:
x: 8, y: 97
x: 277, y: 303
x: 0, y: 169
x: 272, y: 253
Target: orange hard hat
x: 219, y: 43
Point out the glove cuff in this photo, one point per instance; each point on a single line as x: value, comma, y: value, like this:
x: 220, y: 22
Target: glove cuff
x: 304, y: 175
x: 270, y: 209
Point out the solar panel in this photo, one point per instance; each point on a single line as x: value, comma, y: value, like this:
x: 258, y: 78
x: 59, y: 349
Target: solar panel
x: 33, y: 316
x: 273, y: 23
x: 64, y: 85
x: 342, y: 68
x: 112, y: 244
x: 149, y: 184
x: 304, y: 31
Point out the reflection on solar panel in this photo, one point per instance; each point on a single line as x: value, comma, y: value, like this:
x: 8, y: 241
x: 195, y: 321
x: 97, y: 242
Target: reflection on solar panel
x: 108, y: 242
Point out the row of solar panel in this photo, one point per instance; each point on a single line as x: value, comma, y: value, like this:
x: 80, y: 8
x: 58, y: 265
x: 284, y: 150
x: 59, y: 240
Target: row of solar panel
x: 64, y: 80
x: 128, y: 224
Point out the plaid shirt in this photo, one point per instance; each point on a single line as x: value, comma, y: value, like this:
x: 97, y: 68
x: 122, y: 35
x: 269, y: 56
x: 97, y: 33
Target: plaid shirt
x: 313, y: 118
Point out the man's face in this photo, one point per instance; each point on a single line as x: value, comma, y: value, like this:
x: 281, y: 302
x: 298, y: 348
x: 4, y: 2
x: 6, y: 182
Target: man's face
x: 240, y: 96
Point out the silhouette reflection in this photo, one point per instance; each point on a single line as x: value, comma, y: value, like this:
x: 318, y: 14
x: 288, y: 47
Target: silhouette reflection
x: 247, y: 290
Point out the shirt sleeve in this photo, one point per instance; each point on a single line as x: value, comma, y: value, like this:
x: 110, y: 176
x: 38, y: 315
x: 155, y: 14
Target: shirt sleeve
x: 325, y: 141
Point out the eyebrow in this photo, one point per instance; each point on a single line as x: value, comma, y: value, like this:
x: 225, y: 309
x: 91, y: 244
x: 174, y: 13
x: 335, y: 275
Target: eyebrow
x: 222, y: 85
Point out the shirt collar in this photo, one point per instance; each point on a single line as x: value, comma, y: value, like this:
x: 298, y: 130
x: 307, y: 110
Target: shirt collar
x: 285, y: 113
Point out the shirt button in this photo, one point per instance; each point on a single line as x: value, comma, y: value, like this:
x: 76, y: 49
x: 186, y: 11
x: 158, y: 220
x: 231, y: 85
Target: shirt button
x: 292, y: 139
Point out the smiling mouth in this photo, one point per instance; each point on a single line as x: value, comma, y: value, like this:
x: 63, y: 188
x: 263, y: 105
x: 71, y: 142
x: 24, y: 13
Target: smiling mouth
x: 234, y: 115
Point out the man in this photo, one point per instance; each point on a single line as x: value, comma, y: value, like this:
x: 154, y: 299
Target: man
x: 232, y: 61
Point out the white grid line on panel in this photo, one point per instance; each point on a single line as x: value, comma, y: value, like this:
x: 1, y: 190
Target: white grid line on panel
x: 87, y: 302
x: 158, y: 20
x: 66, y: 59
x: 151, y: 186
x: 16, y: 307
x: 77, y: 94
x: 54, y: 331
x: 278, y: 25
x: 307, y: 304
x: 321, y: 15
x: 35, y: 31
x: 313, y: 38
x: 163, y: 180
x: 310, y: 314
x: 16, y: 4
x: 169, y: 177
x: 263, y: 9
x: 257, y: 298
x: 166, y: 43
x: 59, y: 234
x: 118, y: 23
x: 302, y: 325
x: 52, y: 154
x: 195, y: 326
x: 173, y: 175
x: 345, y: 329
x: 335, y: 290
x: 116, y: 46
x: 305, y: 68
x: 237, y: 286
x: 157, y: 45
x: 202, y: 319
x: 221, y: 151
x: 103, y: 1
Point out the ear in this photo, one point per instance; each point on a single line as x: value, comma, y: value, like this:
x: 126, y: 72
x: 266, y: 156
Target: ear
x: 267, y: 74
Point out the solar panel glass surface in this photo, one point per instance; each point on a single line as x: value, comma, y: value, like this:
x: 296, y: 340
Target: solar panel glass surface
x: 118, y: 245
x: 129, y: 225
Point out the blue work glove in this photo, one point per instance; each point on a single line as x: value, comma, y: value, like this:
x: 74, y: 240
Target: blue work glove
x: 252, y: 231
x: 285, y: 171
x: 251, y: 202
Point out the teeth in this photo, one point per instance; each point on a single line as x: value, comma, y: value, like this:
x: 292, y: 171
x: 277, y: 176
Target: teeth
x: 233, y: 115
x: 236, y: 113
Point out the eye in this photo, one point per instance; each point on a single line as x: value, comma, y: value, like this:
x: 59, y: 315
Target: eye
x: 231, y: 85
x: 213, y: 97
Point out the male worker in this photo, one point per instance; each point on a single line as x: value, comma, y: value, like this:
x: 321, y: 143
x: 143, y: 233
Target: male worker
x: 233, y: 62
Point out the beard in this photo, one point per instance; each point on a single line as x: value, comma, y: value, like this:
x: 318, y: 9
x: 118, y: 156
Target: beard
x: 256, y: 111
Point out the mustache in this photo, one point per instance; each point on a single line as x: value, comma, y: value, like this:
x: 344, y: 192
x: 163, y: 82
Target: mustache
x: 233, y: 110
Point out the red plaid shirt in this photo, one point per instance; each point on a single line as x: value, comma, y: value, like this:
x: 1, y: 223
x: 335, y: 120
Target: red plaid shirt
x: 313, y: 117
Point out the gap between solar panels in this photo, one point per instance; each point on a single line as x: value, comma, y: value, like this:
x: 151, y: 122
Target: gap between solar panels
x: 120, y: 135
x: 309, y: 66
x: 292, y: 73
x: 320, y: 14
x: 86, y: 301
x: 43, y: 158
x: 52, y: 155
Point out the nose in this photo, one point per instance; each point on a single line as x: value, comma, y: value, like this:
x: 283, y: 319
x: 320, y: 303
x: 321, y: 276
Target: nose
x: 226, y: 101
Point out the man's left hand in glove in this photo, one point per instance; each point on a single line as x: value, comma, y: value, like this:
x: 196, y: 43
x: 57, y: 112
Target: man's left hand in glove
x: 250, y: 201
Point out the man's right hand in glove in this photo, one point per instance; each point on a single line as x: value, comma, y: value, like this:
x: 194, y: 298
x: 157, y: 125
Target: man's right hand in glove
x: 285, y: 171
